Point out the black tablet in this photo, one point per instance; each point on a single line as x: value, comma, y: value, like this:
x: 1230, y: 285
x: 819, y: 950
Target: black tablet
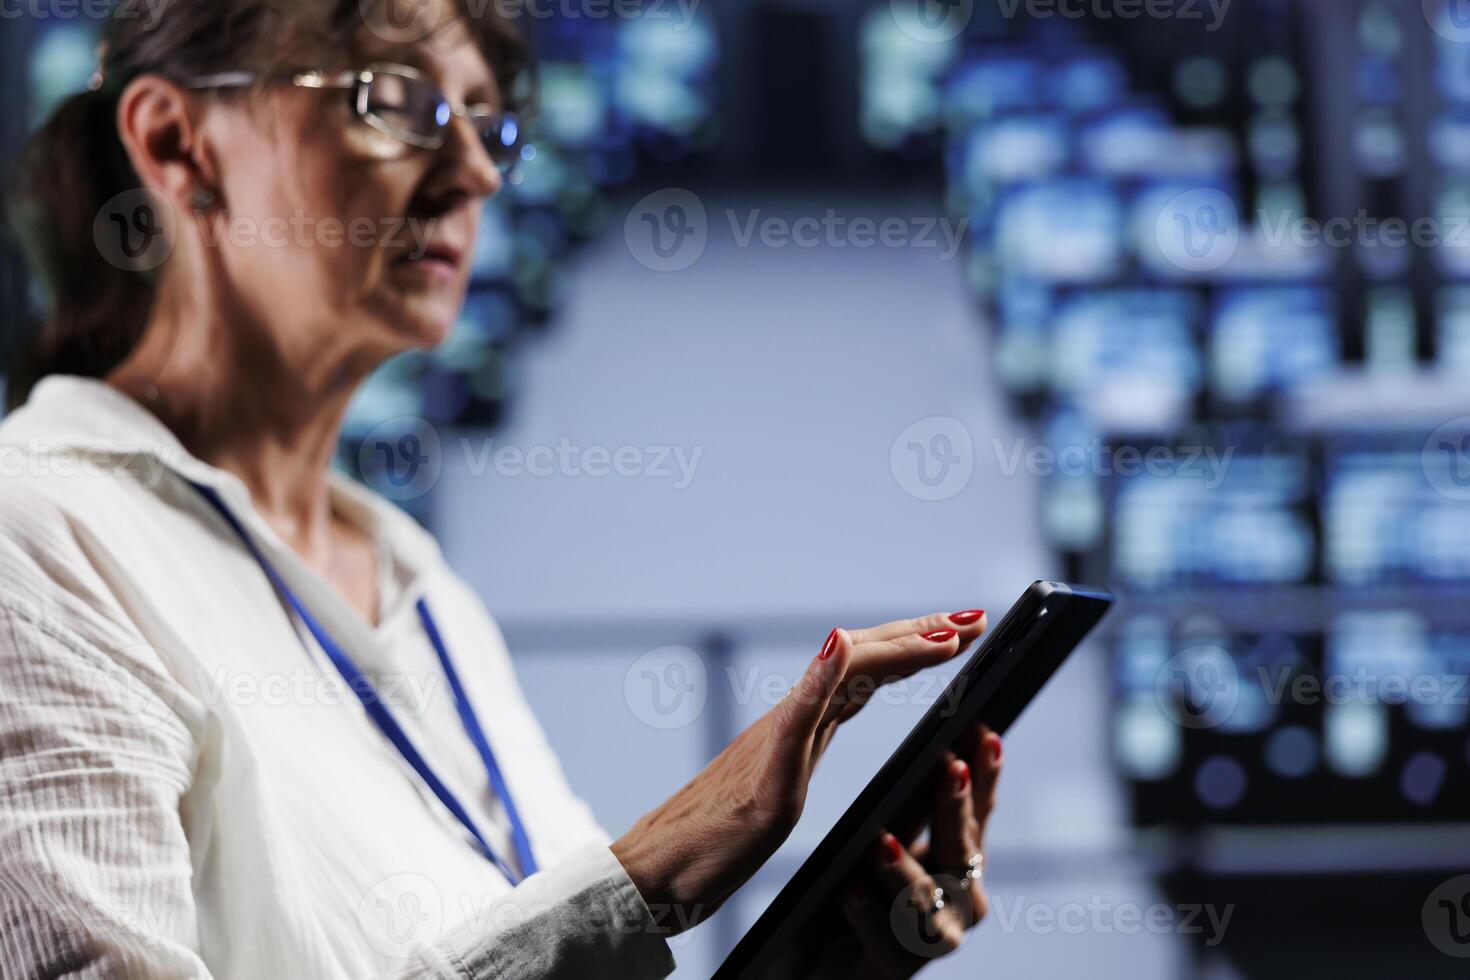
x: 1014, y: 660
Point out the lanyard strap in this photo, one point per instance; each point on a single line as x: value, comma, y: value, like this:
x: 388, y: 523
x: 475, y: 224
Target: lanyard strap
x: 383, y: 718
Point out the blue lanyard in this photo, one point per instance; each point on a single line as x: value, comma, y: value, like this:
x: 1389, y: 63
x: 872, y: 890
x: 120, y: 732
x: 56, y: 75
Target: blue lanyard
x: 388, y: 725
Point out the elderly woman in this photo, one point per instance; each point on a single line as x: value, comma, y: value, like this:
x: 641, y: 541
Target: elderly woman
x: 251, y: 726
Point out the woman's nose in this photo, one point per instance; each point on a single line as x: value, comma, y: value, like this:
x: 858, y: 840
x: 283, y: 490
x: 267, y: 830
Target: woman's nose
x: 479, y: 174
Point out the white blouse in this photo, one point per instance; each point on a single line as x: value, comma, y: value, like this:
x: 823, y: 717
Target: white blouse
x: 188, y: 788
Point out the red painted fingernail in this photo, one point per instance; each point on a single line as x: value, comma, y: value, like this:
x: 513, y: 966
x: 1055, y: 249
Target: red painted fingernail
x: 890, y: 851
x: 830, y: 647
x: 995, y: 749
x: 961, y: 771
x: 967, y: 617
x: 940, y: 636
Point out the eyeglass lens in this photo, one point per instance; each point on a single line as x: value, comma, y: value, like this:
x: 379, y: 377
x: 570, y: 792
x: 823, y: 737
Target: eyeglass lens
x: 416, y: 107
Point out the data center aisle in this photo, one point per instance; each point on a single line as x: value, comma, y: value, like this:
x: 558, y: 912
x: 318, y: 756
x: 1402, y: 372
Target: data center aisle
x: 794, y: 380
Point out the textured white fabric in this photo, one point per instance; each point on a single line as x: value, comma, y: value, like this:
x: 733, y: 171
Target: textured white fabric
x: 187, y: 789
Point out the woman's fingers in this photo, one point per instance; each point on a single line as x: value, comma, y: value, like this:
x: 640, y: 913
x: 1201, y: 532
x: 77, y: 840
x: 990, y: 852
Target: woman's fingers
x: 888, y: 653
x: 954, y: 839
x: 955, y: 835
x: 929, y: 925
x: 985, y: 772
x: 876, y: 664
x: 800, y: 713
x: 970, y: 623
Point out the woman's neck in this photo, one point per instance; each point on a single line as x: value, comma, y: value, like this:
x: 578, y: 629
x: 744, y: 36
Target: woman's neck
x: 251, y: 413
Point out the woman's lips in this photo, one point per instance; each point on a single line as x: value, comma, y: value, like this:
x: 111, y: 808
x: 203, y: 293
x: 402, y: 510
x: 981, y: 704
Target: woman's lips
x: 439, y: 261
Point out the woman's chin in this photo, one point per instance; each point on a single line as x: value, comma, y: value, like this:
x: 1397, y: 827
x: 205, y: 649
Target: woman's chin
x: 424, y: 322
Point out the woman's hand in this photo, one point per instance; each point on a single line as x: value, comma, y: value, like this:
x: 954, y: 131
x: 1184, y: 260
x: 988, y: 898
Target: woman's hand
x: 893, y: 924
x: 692, y: 852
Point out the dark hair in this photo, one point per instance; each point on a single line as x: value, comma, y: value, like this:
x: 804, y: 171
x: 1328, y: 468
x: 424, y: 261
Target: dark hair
x: 75, y: 163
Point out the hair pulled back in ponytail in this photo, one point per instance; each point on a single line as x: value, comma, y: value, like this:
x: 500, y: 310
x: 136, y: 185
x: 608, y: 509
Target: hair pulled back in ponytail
x: 67, y: 173
x: 75, y: 164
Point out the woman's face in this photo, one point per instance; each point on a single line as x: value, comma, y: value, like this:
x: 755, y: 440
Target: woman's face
x: 343, y: 242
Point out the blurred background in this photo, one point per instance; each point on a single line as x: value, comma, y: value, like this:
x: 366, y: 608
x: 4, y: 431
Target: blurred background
x: 807, y: 312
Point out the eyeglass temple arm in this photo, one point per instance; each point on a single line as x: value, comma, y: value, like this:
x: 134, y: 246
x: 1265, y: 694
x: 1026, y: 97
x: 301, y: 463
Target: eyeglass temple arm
x: 245, y: 79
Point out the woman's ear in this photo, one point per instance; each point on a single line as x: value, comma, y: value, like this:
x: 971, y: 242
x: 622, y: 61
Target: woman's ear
x: 158, y: 124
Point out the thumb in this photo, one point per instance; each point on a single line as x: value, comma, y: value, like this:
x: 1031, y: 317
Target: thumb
x: 803, y: 709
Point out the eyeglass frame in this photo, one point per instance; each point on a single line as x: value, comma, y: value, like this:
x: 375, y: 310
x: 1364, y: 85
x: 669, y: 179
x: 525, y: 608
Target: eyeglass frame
x: 361, y: 81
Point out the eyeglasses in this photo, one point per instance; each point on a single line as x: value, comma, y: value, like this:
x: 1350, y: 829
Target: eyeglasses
x: 402, y: 102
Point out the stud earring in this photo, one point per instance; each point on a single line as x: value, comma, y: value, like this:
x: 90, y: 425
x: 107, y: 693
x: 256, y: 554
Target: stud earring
x: 202, y: 200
